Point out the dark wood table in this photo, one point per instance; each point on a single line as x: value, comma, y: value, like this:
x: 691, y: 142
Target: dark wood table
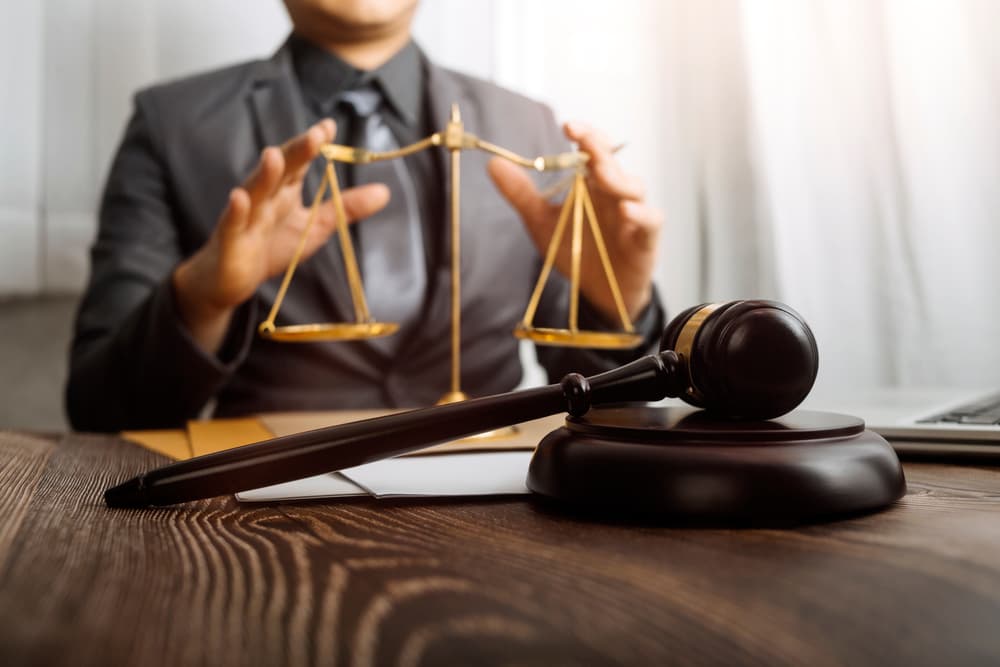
x: 477, y: 582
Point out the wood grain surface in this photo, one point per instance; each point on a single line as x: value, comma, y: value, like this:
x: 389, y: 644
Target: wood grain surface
x: 505, y: 582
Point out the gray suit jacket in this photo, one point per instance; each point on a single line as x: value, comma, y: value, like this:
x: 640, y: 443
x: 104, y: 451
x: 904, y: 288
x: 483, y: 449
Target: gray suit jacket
x: 188, y: 143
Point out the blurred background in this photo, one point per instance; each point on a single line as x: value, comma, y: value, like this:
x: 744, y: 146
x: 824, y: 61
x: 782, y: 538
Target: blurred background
x: 840, y: 155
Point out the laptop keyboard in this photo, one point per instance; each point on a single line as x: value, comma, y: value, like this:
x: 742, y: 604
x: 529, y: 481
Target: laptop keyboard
x: 982, y: 412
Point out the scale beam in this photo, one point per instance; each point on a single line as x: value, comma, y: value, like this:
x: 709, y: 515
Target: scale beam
x: 577, y: 209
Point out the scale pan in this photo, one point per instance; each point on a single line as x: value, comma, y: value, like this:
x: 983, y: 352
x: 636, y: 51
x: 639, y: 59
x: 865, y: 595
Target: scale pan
x: 306, y: 333
x: 605, y: 340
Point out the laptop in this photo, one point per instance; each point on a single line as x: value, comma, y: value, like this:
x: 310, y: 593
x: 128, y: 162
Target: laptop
x: 926, y: 423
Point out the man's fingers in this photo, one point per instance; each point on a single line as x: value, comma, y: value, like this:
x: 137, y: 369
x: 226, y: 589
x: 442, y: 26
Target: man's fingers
x: 359, y: 202
x: 300, y: 151
x: 645, y: 222
x: 266, y: 178
x: 287, y: 164
x: 583, y: 134
x: 518, y: 189
x: 613, y: 180
x: 605, y: 170
x: 329, y: 128
x: 236, y: 216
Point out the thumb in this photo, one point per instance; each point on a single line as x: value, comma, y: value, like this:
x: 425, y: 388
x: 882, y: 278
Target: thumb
x: 364, y: 200
x: 517, y: 188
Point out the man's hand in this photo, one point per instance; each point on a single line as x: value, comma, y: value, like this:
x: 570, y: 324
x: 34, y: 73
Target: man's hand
x: 257, y: 234
x: 630, y: 227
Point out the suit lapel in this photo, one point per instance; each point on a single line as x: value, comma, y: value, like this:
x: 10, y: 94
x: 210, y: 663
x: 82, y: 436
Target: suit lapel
x: 279, y: 114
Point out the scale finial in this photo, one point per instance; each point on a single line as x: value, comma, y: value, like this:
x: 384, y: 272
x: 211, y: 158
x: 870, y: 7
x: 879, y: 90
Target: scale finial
x: 456, y: 116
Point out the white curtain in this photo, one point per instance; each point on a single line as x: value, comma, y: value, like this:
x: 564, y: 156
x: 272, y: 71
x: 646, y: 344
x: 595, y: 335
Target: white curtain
x: 863, y: 184
x: 68, y: 69
x: 840, y: 155
x: 20, y: 145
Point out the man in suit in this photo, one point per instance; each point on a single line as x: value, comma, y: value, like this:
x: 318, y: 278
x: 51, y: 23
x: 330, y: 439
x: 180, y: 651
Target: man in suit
x: 168, y: 321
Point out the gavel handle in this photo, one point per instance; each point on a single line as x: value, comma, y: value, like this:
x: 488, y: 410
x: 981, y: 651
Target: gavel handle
x: 347, y: 445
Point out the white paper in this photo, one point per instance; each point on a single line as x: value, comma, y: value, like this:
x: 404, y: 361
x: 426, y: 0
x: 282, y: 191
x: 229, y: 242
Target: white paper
x: 474, y: 474
x: 329, y: 485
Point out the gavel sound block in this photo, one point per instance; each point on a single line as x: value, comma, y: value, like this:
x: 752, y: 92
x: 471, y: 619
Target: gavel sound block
x: 745, y: 457
x: 745, y: 363
x: 681, y: 464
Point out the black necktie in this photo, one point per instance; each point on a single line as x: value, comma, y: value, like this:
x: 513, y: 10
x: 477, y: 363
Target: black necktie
x: 392, y: 250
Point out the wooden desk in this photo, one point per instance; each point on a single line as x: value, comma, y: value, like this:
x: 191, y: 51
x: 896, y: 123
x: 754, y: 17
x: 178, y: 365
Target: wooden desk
x: 477, y: 583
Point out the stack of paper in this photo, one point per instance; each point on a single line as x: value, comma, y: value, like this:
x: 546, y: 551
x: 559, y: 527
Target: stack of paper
x: 470, y: 467
x: 474, y: 474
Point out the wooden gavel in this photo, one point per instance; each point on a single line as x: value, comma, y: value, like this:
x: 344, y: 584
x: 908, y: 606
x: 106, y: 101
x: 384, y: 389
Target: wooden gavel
x: 739, y: 360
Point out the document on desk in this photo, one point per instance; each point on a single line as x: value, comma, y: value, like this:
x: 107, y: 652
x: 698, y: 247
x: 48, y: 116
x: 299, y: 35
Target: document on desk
x: 481, y: 467
x: 468, y: 467
x: 445, y: 475
x: 329, y: 485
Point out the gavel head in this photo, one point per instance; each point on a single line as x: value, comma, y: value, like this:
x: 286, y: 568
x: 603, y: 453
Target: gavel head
x: 744, y: 359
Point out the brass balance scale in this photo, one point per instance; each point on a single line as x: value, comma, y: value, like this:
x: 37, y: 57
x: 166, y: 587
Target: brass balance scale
x: 577, y: 206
